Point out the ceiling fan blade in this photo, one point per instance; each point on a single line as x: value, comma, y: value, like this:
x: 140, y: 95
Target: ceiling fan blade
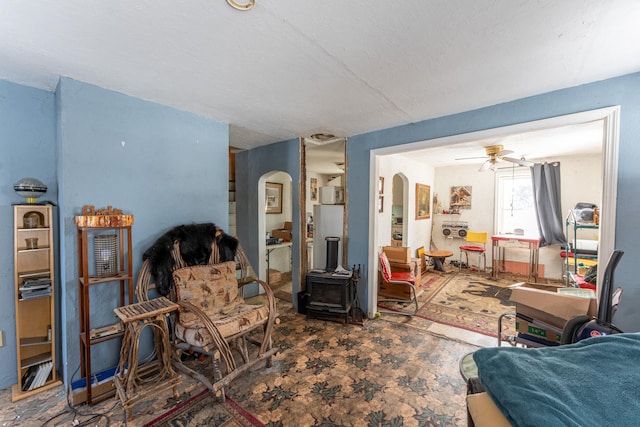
x: 521, y: 162
x: 505, y: 152
x: 485, y: 166
x: 471, y: 158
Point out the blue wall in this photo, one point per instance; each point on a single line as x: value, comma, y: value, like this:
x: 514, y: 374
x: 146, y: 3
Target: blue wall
x: 250, y: 166
x: 621, y: 91
x: 172, y: 169
x: 27, y: 149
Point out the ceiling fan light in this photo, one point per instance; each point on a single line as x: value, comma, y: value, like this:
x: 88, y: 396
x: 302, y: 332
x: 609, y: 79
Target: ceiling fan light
x: 485, y: 166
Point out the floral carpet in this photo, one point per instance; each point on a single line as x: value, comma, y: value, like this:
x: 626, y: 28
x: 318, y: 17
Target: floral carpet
x: 380, y: 373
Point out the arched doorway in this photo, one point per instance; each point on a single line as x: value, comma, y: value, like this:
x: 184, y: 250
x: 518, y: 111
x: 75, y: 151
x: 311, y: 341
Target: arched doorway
x: 275, y: 232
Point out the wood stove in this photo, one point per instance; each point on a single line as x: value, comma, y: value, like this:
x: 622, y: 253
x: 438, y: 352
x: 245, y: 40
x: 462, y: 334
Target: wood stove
x: 330, y: 295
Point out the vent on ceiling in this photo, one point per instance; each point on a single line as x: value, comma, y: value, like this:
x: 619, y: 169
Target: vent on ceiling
x: 323, y: 138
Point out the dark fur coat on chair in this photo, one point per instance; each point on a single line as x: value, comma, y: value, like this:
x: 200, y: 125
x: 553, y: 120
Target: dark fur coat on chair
x: 195, y: 248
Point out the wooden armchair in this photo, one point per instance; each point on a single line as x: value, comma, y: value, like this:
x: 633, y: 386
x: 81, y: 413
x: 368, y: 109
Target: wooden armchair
x: 213, y: 317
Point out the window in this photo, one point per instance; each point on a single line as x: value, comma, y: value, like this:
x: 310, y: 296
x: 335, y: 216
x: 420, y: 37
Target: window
x: 515, y: 207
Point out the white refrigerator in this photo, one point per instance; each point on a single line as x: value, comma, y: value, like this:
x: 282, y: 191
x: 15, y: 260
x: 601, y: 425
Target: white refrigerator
x: 327, y: 222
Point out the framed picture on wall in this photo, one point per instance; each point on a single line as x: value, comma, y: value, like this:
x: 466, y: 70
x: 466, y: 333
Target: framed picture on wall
x: 460, y: 197
x: 313, y: 189
x: 423, y: 201
x: 273, y: 197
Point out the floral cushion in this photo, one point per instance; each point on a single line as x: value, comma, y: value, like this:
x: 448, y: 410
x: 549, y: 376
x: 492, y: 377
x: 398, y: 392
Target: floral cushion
x: 214, y: 289
x: 209, y: 287
x: 240, y: 318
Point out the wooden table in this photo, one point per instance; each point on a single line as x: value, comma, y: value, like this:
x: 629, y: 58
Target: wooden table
x: 271, y: 248
x: 135, y: 382
x: 500, y: 241
x: 438, y: 258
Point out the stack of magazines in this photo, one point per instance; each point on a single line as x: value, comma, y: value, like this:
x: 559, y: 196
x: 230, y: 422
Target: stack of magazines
x: 35, y: 288
x: 36, y: 376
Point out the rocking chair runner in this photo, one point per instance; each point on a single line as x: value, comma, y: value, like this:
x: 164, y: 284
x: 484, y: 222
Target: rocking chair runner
x: 213, y: 317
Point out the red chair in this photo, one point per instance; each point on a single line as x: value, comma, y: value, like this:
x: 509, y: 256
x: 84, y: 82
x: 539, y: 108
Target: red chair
x: 476, y: 243
x: 396, y: 287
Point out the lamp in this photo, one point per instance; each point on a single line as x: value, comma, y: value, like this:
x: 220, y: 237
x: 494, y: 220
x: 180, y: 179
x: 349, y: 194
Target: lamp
x: 30, y: 189
x: 105, y: 254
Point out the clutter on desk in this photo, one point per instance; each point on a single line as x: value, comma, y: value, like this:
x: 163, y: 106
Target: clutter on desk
x: 586, y: 213
x: 284, y: 233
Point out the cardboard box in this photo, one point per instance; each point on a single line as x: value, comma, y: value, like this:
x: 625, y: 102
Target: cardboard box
x: 398, y: 253
x: 282, y: 233
x: 543, y: 302
x: 288, y: 225
x: 274, y: 276
x: 546, y: 334
x: 102, y: 385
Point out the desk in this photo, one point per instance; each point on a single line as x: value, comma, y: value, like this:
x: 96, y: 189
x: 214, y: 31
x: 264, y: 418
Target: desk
x: 500, y: 241
x: 271, y: 248
x: 438, y: 258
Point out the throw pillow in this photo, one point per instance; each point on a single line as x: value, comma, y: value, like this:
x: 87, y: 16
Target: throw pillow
x: 209, y: 287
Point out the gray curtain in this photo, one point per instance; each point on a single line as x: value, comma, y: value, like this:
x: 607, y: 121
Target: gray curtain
x: 546, y: 197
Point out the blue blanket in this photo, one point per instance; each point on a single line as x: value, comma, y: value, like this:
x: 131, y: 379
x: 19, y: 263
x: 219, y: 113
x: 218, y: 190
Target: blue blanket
x: 595, y: 382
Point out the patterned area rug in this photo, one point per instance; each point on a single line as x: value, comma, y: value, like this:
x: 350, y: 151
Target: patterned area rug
x: 203, y: 410
x: 469, y: 301
x: 465, y: 300
x: 330, y: 374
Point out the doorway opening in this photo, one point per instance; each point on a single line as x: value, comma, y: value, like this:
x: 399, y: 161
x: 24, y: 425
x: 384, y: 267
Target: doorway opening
x: 608, y: 118
x: 275, y: 229
x: 399, y: 195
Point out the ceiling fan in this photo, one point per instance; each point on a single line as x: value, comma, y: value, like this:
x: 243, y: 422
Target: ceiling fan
x: 495, y: 153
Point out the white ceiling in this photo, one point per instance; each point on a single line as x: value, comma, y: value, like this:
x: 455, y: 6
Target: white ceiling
x: 542, y: 145
x: 291, y: 68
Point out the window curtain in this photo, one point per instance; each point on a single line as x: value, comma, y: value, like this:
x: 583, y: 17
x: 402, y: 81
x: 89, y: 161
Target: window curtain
x: 546, y: 197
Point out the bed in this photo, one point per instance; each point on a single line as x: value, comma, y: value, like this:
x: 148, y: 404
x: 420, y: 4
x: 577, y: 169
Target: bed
x: 594, y: 382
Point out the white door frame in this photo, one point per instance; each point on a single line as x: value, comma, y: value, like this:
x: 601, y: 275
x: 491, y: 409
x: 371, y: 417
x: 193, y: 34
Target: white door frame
x: 611, y: 138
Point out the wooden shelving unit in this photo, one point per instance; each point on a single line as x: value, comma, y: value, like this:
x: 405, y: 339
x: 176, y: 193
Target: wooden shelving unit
x: 119, y: 225
x: 34, y: 267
